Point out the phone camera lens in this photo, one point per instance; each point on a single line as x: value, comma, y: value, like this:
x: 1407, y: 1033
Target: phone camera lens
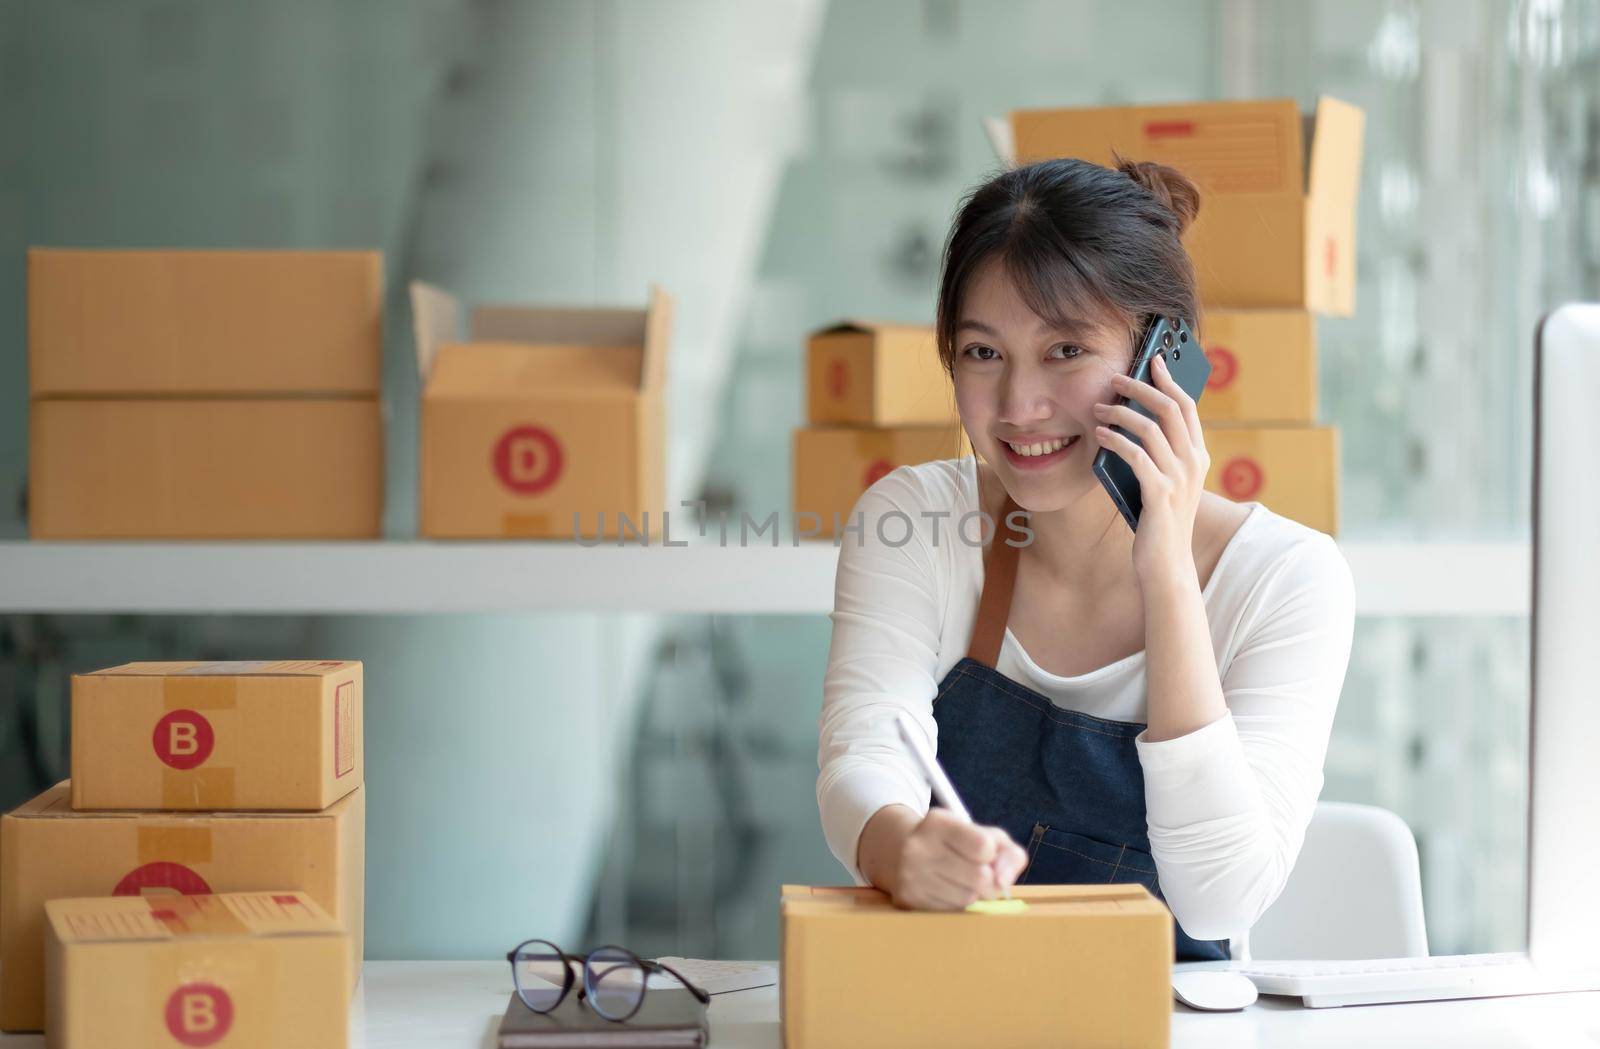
x: 1176, y: 353
x: 1166, y: 339
x: 1183, y: 336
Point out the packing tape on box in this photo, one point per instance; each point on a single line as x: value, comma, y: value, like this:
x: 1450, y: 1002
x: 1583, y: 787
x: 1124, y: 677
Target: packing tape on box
x: 512, y: 525
x: 201, y: 788
x: 174, y: 842
x: 200, y: 693
x: 205, y: 786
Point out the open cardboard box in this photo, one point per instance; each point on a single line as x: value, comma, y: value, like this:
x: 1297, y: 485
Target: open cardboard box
x: 1277, y: 222
x: 537, y: 415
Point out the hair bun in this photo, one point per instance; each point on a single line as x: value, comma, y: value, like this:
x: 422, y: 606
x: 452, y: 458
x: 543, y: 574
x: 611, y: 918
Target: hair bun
x: 1172, y: 188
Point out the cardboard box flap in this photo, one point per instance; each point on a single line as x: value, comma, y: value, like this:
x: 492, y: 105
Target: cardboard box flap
x: 121, y: 919
x: 657, y: 338
x: 1001, y: 139
x: 435, y: 320
x: 520, y: 369
x: 577, y: 326
x: 230, y: 668
x: 860, y: 326
x: 1226, y: 147
x: 56, y: 803
x: 1334, y: 167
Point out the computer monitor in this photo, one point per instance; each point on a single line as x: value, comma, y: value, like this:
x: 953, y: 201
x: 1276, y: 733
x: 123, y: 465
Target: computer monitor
x: 1564, y: 712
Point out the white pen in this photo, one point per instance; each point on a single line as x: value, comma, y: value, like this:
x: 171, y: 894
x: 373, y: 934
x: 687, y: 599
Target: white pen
x: 943, y: 789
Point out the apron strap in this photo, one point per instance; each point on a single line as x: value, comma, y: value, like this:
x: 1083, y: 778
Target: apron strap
x: 994, y: 604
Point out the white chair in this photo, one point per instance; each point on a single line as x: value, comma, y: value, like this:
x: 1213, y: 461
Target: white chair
x: 1355, y: 892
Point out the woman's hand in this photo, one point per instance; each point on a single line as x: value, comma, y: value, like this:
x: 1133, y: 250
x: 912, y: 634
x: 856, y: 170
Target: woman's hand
x: 939, y: 862
x: 1171, y: 468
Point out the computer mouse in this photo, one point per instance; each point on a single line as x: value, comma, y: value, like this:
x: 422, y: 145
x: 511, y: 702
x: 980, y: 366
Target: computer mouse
x: 1213, y: 990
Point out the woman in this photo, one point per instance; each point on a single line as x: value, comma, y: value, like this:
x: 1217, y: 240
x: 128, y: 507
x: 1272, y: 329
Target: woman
x: 1149, y: 706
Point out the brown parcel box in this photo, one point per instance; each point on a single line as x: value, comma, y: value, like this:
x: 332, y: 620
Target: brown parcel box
x: 230, y: 735
x: 1263, y: 366
x: 241, y: 969
x: 50, y: 852
x: 204, y: 322
x: 1085, y: 966
x: 870, y: 374
x: 1293, y: 470
x: 1277, y: 222
x: 833, y: 465
x: 205, y: 469
x: 543, y: 415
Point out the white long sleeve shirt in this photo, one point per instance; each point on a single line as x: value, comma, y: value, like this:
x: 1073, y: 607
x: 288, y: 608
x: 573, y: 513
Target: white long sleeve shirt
x: 1226, y: 805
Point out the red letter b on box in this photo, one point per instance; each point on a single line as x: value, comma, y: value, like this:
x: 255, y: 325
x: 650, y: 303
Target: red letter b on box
x: 183, y: 739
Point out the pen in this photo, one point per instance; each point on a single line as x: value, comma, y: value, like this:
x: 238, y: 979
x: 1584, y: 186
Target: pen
x: 943, y: 789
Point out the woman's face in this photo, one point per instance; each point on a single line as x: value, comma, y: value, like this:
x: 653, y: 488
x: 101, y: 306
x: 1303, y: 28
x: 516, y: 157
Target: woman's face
x: 1026, y: 390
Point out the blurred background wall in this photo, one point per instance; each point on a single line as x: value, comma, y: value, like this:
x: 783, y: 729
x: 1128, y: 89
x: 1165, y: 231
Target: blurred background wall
x: 777, y: 166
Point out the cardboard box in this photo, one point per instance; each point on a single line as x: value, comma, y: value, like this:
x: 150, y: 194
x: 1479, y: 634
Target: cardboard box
x: 1293, y: 470
x: 238, y: 969
x: 1085, y: 966
x: 541, y: 415
x: 204, y: 736
x: 204, y: 322
x: 50, y: 852
x: 833, y: 465
x: 1277, y: 222
x: 205, y: 469
x: 869, y: 374
x: 1263, y: 366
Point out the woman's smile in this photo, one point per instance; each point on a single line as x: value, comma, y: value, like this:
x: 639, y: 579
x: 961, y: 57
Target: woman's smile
x: 1039, y: 454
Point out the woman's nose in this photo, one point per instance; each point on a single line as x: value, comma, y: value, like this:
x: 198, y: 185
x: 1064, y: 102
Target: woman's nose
x: 1023, y: 399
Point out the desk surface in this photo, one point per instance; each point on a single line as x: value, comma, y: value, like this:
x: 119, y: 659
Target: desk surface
x: 456, y: 1005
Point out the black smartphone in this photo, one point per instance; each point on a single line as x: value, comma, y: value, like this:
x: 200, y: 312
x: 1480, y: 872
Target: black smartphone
x: 1174, y: 339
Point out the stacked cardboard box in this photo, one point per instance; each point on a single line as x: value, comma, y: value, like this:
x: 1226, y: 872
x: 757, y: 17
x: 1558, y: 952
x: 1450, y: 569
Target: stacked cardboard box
x: 204, y: 394
x: 877, y: 398
x: 191, y: 779
x: 541, y: 420
x: 247, y: 968
x: 1274, y: 243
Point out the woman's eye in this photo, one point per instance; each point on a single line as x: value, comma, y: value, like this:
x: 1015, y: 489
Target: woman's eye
x: 982, y: 353
x: 1066, y: 352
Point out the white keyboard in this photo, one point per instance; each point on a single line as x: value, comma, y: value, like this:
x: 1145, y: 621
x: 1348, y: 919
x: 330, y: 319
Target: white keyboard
x: 1370, y: 981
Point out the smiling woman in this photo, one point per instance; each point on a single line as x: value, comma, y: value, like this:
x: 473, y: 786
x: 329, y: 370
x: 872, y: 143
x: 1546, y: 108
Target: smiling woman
x: 1112, y: 706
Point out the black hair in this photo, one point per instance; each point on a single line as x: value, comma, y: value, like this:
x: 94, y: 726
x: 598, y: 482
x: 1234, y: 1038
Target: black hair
x: 1072, y: 234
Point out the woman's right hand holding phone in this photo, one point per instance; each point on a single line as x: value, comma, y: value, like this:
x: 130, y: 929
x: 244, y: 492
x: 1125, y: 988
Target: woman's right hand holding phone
x: 937, y: 861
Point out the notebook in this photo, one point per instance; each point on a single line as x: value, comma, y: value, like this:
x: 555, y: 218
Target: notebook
x: 668, y: 1019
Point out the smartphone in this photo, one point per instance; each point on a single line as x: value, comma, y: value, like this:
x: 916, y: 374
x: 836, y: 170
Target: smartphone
x: 1174, y: 339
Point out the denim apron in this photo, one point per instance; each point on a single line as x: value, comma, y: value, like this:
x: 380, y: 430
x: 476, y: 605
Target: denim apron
x: 1069, y: 785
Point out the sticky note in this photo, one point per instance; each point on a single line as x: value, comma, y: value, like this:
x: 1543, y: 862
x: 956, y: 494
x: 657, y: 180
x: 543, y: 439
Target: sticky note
x: 998, y: 907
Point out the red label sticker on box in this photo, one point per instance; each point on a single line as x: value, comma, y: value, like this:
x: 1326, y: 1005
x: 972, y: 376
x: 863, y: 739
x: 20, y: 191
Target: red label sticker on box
x: 162, y: 874
x: 876, y: 471
x: 344, y: 736
x: 838, y: 378
x: 1242, y: 478
x: 1224, y: 367
x: 183, y: 739
x: 199, y: 1014
x: 527, y: 459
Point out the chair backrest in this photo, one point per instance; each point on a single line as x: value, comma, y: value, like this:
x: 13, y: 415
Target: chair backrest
x: 1355, y: 892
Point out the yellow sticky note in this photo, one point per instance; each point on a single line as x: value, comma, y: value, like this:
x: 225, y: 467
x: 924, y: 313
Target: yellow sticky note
x: 998, y: 907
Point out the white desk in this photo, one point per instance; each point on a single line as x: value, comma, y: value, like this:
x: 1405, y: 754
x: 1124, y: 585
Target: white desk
x: 456, y: 1005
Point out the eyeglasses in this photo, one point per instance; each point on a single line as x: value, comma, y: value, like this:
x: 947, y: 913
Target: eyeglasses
x: 614, y: 978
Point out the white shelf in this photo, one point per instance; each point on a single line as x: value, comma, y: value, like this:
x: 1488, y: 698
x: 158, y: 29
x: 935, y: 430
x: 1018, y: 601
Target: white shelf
x: 1392, y: 579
